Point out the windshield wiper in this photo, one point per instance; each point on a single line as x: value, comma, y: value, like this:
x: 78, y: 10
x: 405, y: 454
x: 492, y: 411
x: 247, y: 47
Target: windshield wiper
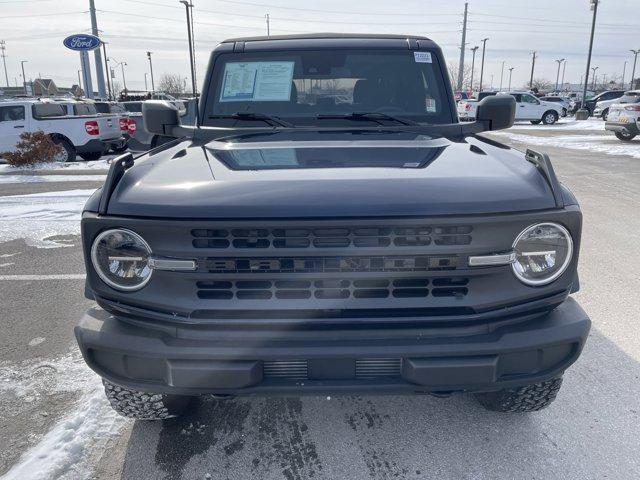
x: 367, y: 116
x: 270, y: 119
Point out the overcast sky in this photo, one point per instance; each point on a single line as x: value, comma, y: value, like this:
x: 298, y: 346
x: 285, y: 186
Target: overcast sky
x: 34, y: 30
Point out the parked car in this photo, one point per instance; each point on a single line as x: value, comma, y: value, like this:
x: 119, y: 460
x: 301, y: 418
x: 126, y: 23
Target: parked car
x: 77, y: 135
x: 563, y: 101
x: 467, y: 108
x: 528, y: 107
x: 141, y: 140
x: 590, y: 103
x: 127, y: 125
x: 376, y: 245
x: 624, y: 116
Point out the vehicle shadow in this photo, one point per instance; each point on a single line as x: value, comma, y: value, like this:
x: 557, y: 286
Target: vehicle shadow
x: 590, y: 432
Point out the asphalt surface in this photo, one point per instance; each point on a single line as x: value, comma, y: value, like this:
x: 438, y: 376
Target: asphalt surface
x: 592, y: 431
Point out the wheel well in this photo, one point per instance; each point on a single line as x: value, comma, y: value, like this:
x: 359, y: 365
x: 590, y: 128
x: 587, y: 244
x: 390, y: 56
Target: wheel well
x: 551, y: 111
x: 59, y: 137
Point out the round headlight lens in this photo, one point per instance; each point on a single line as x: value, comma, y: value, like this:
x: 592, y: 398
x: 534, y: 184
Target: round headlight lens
x: 121, y: 259
x: 543, y: 253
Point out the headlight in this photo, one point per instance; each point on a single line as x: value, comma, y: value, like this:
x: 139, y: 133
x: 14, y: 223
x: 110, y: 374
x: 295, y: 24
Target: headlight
x: 121, y: 259
x: 543, y: 253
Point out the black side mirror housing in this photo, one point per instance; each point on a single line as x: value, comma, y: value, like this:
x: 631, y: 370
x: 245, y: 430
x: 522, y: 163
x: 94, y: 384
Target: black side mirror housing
x: 160, y: 117
x: 496, y: 112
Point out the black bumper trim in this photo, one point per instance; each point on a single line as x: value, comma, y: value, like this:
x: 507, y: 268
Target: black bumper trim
x: 154, y: 361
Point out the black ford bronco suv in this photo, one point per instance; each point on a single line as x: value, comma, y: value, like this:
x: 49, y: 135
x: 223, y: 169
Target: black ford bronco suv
x: 329, y: 226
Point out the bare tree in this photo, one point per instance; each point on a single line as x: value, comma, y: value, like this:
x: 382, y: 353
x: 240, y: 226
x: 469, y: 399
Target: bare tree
x: 453, y: 75
x: 172, y: 83
x: 540, y: 84
x: 116, y: 87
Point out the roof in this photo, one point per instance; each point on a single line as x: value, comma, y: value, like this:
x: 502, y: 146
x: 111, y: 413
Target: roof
x: 327, y: 35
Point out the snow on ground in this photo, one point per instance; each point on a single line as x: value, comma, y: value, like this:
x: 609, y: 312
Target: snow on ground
x: 38, y: 216
x: 609, y: 145
x: 69, y: 449
x: 101, y: 164
x: 569, y: 123
x: 50, y: 178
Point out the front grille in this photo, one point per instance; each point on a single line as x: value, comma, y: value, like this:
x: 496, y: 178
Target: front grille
x: 331, y: 237
x: 365, y: 368
x: 332, y: 289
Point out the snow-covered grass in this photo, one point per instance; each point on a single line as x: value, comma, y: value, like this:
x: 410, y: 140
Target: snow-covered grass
x: 38, y: 216
x: 68, y: 449
x: 608, y: 144
x: 50, y: 178
x: 101, y: 164
x: 568, y: 123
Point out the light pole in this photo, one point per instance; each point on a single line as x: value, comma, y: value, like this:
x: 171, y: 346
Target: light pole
x: 583, y: 113
x: 145, y: 82
x: 559, y: 62
x: 633, y: 70
x: 473, y: 64
x: 153, y: 85
x: 121, y: 65
x: 24, y: 79
x: 268, y: 26
x: 501, y: 75
x: 188, y: 7
x: 79, y: 81
x: 593, y: 69
x: 624, y: 70
x: 510, y: 72
x: 533, y: 64
x: 564, y: 67
x: 484, y: 45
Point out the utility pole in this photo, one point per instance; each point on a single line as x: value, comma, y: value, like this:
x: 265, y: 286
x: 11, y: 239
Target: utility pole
x: 473, y: 65
x: 107, y: 71
x: 559, y: 62
x: 484, y: 45
x: 145, y: 82
x: 593, y: 69
x: 533, y: 64
x: 153, y: 85
x: 501, y: 75
x: 24, y: 79
x: 462, y: 44
x: 633, y: 70
x: 624, y: 70
x: 583, y: 113
x: 564, y: 67
x: 268, y: 30
x: 491, y: 82
x: 4, y: 61
x: 97, y: 54
x: 510, y: 72
x: 189, y: 6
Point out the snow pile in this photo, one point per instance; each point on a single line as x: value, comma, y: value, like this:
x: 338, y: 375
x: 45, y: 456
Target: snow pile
x: 67, y: 450
x: 50, y: 178
x: 593, y: 124
x: 609, y: 145
x: 38, y: 216
x: 102, y: 164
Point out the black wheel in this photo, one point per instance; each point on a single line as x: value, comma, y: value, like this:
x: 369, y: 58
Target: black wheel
x: 550, y: 117
x: 625, y: 136
x: 144, y: 406
x: 535, y: 122
x: 564, y: 112
x: 529, y: 398
x: 67, y: 152
x: 605, y: 114
x: 91, y: 155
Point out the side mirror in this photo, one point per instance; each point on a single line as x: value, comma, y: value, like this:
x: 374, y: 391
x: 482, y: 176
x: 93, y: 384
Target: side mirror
x: 160, y: 117
x: 497, y: 112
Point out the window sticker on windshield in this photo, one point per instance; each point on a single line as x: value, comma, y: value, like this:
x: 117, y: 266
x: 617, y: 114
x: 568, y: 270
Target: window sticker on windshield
x: 257, y: 81
x: 422, y: 57
x: 430, y: 103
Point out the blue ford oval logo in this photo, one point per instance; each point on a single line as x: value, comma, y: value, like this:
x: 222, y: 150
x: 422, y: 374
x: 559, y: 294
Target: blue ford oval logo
x: 82, y: 41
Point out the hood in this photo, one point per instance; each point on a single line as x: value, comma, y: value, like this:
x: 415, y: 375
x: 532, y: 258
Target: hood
x: 302, y: 179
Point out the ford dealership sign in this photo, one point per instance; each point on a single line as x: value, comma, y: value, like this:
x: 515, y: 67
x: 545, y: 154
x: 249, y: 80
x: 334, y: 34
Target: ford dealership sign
x: 82, y: 42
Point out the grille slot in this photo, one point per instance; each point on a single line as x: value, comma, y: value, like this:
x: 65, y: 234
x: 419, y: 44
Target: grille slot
x: 331, y: 237
x: 292, y: 369
x: 333, y: 289
x: 365, y: 368
x: 378, y: 367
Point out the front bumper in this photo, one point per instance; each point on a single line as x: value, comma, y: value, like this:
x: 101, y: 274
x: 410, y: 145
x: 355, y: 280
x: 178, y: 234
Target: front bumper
x: 190, y: 360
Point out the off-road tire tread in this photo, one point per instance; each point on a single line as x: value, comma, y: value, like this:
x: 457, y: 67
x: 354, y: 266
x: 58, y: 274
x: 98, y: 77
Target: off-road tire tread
x: 136, y: 404
x: 528, y: 398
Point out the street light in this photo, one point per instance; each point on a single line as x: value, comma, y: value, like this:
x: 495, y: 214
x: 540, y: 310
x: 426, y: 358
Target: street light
x: 510, y: 72
x: 484, y: 45
x: 501, y: 75
x: 633, y: 71
x: 24, y: 79
x: 145, y: 82
x: 121, y: 65
x: 188, y: 7
x: 564, y: 67
x: 559, y: 62
x: 583, y: 113
x: 533, y: 64
x: 593, y: 69
x: 106, y: 67
x: 473, y: 64
x: 153, y: 86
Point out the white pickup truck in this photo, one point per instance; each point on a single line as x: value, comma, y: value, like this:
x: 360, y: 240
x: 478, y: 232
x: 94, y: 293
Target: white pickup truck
x: 528, y: 107
x: 88, y: 136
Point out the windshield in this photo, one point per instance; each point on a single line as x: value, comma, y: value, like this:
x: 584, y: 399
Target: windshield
x: 299, y: 86
x: 630, y: 97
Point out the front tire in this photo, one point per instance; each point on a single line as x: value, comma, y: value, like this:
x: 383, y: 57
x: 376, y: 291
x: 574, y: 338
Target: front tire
x: 605, y: 114
x: 529, y: 398
x: 564, y: 112
x: 625, y: 136
x: 550, y: 117
x: 68, y: 152
x: 142, y: 405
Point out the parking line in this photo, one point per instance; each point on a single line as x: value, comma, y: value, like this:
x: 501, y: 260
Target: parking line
x: 71, y: 276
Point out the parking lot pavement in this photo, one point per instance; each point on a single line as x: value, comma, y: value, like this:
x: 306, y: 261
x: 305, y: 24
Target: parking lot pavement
x: 590, y: 432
